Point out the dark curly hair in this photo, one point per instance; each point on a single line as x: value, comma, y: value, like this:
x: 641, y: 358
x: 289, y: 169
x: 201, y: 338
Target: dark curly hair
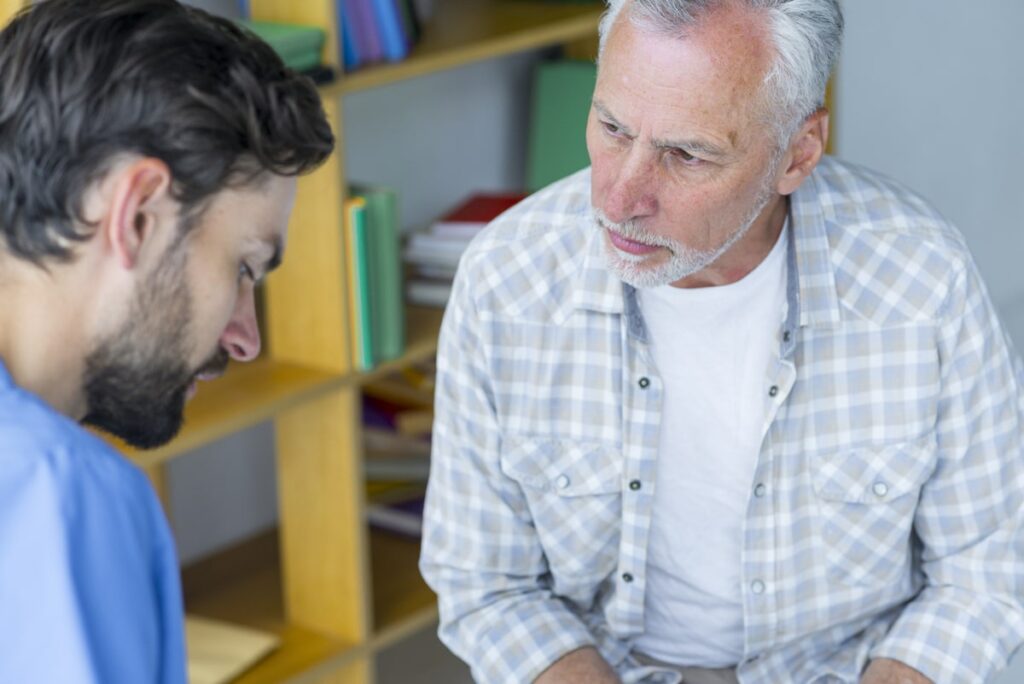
x: 82, y: 83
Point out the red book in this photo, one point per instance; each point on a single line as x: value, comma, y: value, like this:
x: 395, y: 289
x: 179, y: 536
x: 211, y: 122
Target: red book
x: 466, y: 220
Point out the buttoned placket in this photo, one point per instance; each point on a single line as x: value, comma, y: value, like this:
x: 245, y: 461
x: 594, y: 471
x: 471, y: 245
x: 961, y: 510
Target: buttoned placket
x: 757, y: 572
x: 642, y: 400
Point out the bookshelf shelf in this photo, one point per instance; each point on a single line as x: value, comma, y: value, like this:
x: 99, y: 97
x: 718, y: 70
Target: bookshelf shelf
x: 466, y: 31
x: 246, y: 395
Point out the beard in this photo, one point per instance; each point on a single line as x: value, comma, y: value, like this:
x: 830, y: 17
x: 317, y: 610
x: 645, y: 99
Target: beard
x: 682, y: 261
x: 136, y: 380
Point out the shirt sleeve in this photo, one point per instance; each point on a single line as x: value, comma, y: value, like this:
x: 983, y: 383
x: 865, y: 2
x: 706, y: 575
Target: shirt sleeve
x: 83, y: 597
x: 481, y: 553
x: 968, y: 619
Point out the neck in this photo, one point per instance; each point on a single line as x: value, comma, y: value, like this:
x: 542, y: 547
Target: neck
x: 40, y: 333
x: 748, y: 252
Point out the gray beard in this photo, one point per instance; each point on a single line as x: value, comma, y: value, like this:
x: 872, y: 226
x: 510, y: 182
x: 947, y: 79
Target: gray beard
x: 683, y: 261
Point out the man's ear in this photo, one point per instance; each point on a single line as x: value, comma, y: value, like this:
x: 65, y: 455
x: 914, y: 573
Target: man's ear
x: 139, y: 202
x: 805, y: 151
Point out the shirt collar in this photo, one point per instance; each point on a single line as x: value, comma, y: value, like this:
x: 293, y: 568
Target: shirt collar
x: 598, y: 289
x: 811, y: 258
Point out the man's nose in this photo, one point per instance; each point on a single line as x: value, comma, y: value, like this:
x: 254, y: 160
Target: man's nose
x: 241, y: 337
x: 631, y: 194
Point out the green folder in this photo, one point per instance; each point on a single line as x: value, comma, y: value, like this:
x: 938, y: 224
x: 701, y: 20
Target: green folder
x: 558, y: 121
x: 387, y: 312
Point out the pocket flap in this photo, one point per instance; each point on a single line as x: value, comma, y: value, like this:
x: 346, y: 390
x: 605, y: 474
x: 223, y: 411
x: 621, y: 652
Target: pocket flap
x: 875, y: 474
x: 566, y: 468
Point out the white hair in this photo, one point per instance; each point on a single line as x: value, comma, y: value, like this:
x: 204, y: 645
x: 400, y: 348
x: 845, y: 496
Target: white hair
x: 806, y: 35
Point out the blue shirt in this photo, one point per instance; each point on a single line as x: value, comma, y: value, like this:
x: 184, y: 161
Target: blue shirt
x: 89, y: 584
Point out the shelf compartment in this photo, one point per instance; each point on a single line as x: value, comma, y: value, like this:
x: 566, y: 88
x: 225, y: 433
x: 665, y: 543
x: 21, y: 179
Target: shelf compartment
x: 249, y: 393
x: 422, y: 325
x: 402, y: 602
x: 466, y: 31
x: 242, y: 585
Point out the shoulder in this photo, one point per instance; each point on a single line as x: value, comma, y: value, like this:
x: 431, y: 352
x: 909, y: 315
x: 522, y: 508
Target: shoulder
x: 895, y: 256
x: 49, y: 456
x: 525, y: 261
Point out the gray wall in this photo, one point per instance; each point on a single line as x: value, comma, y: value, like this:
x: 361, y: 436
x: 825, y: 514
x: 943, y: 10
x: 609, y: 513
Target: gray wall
x: 929, y: 93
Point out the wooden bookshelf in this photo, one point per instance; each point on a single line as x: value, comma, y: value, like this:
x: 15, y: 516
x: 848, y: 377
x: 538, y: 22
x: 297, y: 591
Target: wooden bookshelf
x: 466, y: 31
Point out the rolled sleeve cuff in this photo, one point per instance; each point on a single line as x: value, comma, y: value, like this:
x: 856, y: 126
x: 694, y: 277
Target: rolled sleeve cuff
x: 950, y: 635
x: 517, y: 643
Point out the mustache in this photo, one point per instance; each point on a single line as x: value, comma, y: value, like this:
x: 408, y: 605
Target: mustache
x: 631, y: 230
x: 216, y: 364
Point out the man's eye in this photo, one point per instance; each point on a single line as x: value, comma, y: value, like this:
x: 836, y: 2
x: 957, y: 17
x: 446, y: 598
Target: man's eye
x: 684, y: 156
x: 611, y: 128
x: 245, y: 272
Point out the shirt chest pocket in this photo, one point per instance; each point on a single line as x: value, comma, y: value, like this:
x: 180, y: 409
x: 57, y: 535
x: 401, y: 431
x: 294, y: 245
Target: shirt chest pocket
x: 867, y: 499
x: 574, y: 492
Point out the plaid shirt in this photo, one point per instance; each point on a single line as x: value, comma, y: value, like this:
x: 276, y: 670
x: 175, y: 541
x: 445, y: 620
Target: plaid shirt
x: 885, y: 515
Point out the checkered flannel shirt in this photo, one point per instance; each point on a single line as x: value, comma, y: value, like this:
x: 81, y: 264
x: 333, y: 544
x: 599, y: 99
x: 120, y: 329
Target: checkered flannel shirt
x: 885, y: 515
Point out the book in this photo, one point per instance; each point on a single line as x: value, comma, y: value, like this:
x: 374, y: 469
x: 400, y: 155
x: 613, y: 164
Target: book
x: 218, y: 652
x: 299, y: 47
x: 364, y: 28
x: 468, y: 218
x: 349, y: 45
x: 556, y: 145
x: 425, y: 292
x: 387, y: 314
x: 402, y: 517
x: 388, y: 18
x: 360, y: 326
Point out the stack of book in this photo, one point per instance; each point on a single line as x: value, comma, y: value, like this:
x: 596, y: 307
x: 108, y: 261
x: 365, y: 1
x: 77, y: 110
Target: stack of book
x: 377, y: 30
x: 299, y: 47
x: 432, y: 256
x: 376, y: 312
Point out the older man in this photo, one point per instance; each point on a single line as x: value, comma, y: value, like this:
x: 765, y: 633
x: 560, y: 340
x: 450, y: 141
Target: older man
x: 718, y: 409
x: 147, y: 162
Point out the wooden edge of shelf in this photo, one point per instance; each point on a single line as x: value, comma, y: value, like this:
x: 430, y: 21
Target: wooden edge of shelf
x: 552, y: 33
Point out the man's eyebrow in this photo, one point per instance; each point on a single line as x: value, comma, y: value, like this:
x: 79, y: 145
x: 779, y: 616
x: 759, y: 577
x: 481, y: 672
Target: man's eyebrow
x: 700, y: 147
x: 605, y: 113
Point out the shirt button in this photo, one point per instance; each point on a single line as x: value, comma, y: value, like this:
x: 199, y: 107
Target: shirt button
x: 627, y: 578
x: 635, y: 485
x: 773, y: 390
x: 880, y: 489
x: 562, y: 481
x: 757, y: 586
x: 644, y: 383
x: 760, y: 490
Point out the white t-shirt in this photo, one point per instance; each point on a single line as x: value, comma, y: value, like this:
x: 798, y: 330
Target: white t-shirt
x: 712, y: 347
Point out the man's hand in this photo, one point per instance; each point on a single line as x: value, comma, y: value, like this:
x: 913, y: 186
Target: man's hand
x: 581, y: 665
x: 886, y: 671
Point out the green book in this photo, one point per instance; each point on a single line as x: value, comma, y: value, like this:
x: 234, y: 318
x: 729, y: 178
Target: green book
x: 387, y: 313
x: 359, y: 263
x: 299, y: 47
x: 558, y: 121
